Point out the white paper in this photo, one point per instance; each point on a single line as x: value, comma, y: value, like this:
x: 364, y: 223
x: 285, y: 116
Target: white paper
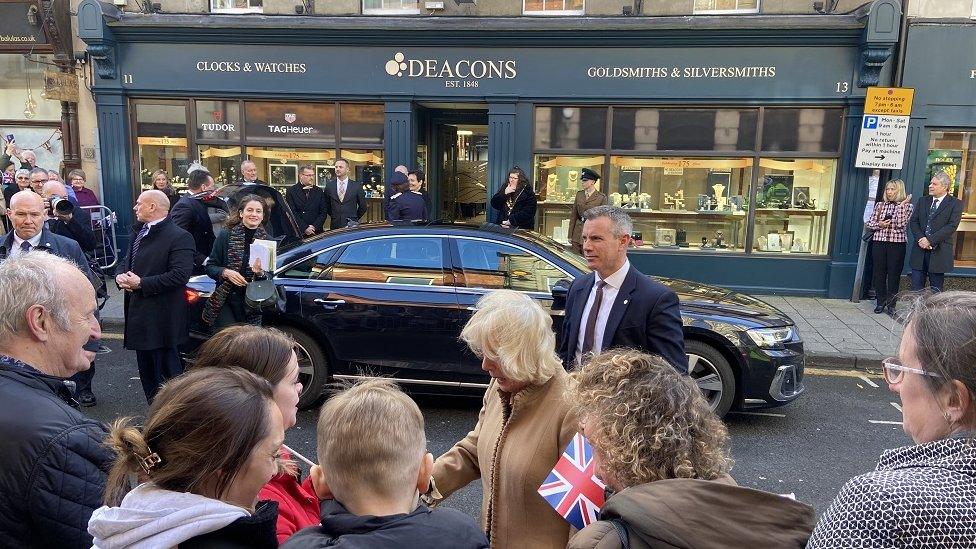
x: 264, y: 250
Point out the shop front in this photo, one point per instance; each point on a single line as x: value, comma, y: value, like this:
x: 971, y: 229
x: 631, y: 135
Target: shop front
x: 942, y: 135
x: 729, y: 147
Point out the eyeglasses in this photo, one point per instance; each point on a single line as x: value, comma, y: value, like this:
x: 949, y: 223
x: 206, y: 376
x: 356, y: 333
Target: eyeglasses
x: 894, y: 371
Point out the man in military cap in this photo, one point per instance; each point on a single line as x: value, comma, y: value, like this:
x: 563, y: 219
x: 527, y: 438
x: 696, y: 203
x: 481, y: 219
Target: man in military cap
x: 586, y: 198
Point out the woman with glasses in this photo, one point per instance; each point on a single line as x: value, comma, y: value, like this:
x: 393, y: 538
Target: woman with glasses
x: 515, y: 202
x: 922, y: 495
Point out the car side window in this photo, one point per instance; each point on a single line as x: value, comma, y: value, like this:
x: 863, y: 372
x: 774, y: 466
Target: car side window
x: 313, y: 267
x: 418, y: 261
x: 494, y: 265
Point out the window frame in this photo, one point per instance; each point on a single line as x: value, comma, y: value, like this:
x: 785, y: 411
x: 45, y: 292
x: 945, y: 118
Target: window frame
x: 555, y: 13
x: 388, y: 11
x: 249, y: 9
x: 736, y: 11
x: 458, y: 267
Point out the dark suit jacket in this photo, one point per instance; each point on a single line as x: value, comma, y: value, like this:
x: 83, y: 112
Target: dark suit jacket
x: 645, y: 316
x: 308, y: 211
x: 943, y: 239
x: 60, y: 246
x: 340, y: 211
x: 156, y: 314
x: 78, y: 229
x: 190, y: 214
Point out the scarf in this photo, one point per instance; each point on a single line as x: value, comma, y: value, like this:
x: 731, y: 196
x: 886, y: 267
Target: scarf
x: 235, y: 261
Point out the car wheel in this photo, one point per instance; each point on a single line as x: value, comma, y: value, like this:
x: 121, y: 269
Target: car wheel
x: 712, y: 373
x: 313, y: 367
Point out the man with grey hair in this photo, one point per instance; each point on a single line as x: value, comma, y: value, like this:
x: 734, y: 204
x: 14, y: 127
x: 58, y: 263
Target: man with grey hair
x: 249, y: 173
x: 934, y: 223
x: 54, y: 463
x: 616, y: 305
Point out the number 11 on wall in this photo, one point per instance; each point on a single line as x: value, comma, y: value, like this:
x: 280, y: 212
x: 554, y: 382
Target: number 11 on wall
x: 126, y: 78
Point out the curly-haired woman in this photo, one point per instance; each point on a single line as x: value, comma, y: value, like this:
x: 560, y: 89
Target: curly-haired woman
x: 664, y: 456
x: 515, y: 202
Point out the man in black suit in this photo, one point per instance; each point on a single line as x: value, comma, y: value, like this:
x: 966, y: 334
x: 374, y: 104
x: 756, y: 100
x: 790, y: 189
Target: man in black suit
x: 934, y: 223
x: 154, y: 276
x: 616, y: 305
x: 190, y: 214
x: 307, y: 202
x: 68, y: 219
x: 346, y: 199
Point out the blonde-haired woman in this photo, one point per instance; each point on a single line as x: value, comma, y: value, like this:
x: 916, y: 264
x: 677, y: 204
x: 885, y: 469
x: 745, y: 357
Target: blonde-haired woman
x: 888, y: 243
x: 523, y: 427
x: 665, y: 456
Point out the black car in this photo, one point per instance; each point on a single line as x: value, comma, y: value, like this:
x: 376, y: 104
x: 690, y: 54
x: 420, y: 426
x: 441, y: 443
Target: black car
x: 390, y: 300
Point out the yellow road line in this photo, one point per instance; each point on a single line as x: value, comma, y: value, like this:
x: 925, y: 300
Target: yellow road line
x: 840, y: 373
x: 106, y: 335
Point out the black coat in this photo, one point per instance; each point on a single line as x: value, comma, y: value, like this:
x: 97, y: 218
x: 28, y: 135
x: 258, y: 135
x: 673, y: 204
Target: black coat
x: 257, y: 531
x: 406, y: 206
x: 156, y: 314
x: 190, y: 214
x: 309, y: 210
x: 54, y: 464
x: 645, y: 316
x: 78, y: 229
x: 523, y: 212
x: 353, y: 207
x: 943, y: 237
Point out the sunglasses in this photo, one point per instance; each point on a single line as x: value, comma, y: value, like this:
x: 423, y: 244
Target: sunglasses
x: 894, y: 371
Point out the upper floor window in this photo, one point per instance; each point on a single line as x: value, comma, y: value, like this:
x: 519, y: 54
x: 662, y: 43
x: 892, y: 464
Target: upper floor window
x: 391, y: 7
x: 705, y: 7
x: 237, y: 6
x: 552, y: 7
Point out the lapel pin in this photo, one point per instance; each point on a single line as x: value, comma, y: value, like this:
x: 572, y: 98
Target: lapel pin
x: 626, y: 301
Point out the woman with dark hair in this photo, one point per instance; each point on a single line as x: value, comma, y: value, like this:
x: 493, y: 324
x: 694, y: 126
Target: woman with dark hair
x: 923, y: 495
x: 270, y: 354
x: 230, y: 265
x: 515, y: 203
x: 160, y: 182
x: 208, y: 445
x: 664, y: 456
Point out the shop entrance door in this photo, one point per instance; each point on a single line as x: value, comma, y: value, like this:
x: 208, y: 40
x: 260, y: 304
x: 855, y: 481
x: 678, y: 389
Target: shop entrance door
x: 459, y: 162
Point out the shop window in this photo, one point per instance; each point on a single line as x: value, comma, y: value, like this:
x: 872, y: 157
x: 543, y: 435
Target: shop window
x: 218, y: 120
x: 693, y: 204
x: 570, y: 127
x: 793, y: 205
x: 556, y: 180
x: 278, y: 166
x: 683, y: 129
x: 954, y: 153
x: 802, y: 130
x: 705, y: 7
x: 161, y: 141
x: 361, y: 125
x: 236, y: 6
x: 390, y: 7
x: 552, y: 7
x: 18, y: 75
x: 223, y: 163
x: 299, y: 123
x: 492, y: 266
x: 366, y: 166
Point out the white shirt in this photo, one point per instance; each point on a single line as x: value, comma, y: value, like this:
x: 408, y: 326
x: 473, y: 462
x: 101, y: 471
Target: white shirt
x: 613, y: 284
x: 18, y: 242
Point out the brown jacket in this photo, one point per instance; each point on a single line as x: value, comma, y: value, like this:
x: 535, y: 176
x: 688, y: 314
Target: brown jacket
x: 514, y: 446
x: 580, y: 205
x: 699, y: 514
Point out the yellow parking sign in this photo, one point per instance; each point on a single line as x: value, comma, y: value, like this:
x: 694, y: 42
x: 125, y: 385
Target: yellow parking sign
x: 889, y: 101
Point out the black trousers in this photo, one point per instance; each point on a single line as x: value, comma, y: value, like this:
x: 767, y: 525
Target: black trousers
x: 888, y: 261
x: 155, y: 367
x: 83, y: 380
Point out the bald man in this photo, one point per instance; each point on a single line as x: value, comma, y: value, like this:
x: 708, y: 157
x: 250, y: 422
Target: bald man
x: 68, y: 219
x: 154, y: 274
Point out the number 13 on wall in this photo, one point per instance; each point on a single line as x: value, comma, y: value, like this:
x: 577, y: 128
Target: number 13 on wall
x: 842, y: 87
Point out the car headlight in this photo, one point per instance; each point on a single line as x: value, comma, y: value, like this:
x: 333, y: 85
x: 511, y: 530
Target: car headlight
x: 768, y: 338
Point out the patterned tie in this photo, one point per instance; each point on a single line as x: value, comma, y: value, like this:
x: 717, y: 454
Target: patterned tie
x: 342, y: 191
x: 135, y: 245
x: 591, y: 320
x: 25, y: 247
x: 928, y: 221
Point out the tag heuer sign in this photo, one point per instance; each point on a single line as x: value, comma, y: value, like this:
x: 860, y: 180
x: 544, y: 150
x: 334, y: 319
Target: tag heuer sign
x: 290, y: 117
x: 60, y: 86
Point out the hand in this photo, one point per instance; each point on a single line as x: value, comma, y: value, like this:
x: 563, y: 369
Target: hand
x: 924, y: 243
x: 234, y: 277
x: 509, y: 189
x: 256, y: 268
x: 506, y: 223
x: 310, y: 230
x: 133, y: 280
x: 885, y: 223
x: 908, y: 200
x: 10, y: 149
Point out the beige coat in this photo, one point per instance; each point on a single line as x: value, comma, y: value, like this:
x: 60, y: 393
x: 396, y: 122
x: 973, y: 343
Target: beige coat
x: 514, y: 446
x: 580, y: 205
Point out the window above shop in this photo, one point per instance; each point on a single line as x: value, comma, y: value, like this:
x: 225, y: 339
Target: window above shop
x: 391, y: 7
x: 237, y: 6
x: 710, y: 7
x: 552, y: 7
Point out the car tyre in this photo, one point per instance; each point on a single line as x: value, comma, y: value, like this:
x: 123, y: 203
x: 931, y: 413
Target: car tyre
x: 313, y: 367
x: 711, y: 371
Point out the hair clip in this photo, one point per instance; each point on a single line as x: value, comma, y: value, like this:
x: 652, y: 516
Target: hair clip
x: 149, y: 461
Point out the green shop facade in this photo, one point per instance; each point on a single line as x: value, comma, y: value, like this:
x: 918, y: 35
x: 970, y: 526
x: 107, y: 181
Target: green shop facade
x: 730, y: 141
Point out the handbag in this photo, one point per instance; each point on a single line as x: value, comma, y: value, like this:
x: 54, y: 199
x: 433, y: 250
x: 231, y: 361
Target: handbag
x: 261, y: 294
x: 868, y: 234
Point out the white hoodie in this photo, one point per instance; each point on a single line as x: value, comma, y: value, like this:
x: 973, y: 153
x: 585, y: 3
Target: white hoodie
x: 154, y: 518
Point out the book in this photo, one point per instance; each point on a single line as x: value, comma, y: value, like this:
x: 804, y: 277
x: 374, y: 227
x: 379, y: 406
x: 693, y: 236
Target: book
x: 266, y: 251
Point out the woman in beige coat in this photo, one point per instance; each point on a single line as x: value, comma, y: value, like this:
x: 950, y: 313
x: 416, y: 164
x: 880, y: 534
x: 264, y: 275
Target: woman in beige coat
x: 523, y: 427
x: 586, y: 198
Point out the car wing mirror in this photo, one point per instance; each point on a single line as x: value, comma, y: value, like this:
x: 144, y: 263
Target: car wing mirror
x: 560, y: 290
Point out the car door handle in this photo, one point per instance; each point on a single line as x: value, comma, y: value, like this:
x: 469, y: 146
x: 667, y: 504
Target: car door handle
x: 330, y: 303
x: 472, y: 308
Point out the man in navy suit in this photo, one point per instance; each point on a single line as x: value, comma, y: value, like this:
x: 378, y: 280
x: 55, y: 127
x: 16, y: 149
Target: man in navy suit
x: 346, y: 198
x: 616, y: 305
x: 934, y: 223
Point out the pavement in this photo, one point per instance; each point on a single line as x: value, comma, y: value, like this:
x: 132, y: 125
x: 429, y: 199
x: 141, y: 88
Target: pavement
x: 836, y: 333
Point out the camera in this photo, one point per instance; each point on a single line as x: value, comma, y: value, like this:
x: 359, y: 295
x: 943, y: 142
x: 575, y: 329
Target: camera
x: 61, y: 205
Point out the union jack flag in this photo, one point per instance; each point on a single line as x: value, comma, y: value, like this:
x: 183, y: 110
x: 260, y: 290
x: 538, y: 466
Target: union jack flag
x: 572, y: 488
